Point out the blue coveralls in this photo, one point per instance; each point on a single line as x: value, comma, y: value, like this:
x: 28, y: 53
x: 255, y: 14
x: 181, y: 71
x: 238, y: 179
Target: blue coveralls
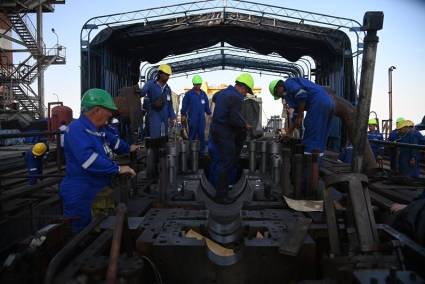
x: 319, y: 106
x: 378, y: 150
x: 34, y: 166
x: 195, y: 106
x: 226, y: 138
x: 158, y: 119
x: 406, y: 154
x: 89, y: 167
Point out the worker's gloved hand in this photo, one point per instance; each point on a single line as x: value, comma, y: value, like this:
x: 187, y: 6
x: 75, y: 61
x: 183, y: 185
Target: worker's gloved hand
x: 412, y: 162
x: 396, y: 207
x: 248, y: 126
x: 183, y: 120
x: 126, y: 170
x: 134, y: 147
x: 172, y: 122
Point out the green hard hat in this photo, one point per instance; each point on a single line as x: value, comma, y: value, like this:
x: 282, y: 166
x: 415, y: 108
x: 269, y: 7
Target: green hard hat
x: 272, y: 88
x: 98, y: 97
x: 400, y: 119
x: 373, y: 121
x: 197, y: 80
x: 247, y: 80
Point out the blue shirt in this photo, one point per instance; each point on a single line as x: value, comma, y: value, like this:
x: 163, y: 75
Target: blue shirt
x: 195, y: 106
x: 378, y: 150
x: 302, y: 90
x: 227, y: 111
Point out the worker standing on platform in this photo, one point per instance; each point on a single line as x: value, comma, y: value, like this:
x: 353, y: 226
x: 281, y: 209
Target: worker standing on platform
x: 374, y: 134
x: 194, y: 107
x: 303, y: 95
x: 408, y: 159
x: 34, y: 160
x: 160, y: 110
x: 88, y: 153
x: 393, y: 136
x: 226, y: 135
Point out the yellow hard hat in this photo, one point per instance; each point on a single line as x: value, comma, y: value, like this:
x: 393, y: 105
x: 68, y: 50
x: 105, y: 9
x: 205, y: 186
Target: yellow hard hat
x: 165, y: 68
x: 406, y: 123
x: 39, y: 149
x: 373, y: 121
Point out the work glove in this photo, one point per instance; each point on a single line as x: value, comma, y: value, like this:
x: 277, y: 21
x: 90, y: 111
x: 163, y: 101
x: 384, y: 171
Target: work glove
x: 158, y: 103
x: 126, y: 170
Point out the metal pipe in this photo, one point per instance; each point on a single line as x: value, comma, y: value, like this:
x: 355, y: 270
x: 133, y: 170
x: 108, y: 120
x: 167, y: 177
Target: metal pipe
x: 124, y: 185
x: 298, y: 172
x: 57, y: 260
x: 32, y: 134
x: 262, y: 148
x: 194, y: 147
x: 252, y: 156
x: 183, y: 156
x: 286, y: 171
x: 398, y: 144
x: 111, y: 274
x: 307, y: 171
x: 390, y: 94
x: 314, y: 173
x: 276, y: 162
x: 40, y: 59
x: 372, y: 22
x: 163, y: 179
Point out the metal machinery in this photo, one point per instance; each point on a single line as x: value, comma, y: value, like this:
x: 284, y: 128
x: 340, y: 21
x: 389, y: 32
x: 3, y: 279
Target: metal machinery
x: 168, y: 228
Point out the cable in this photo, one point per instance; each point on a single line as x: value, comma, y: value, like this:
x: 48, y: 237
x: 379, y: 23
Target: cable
x: 154, y: 268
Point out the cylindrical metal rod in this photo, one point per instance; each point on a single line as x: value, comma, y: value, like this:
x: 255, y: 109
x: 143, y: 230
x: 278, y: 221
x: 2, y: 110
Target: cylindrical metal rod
x: 252, y: 156
x: 262, y: 148
x: 315, y: 173
x: 163, y: 175
x: 307, y: 171
x: 194, y: 147
x: 276, y: 162
x: 286, y: 171
x: 183, y: 156
x: 298, y: 174
x: 124, y: 188
x: 111, y: 274
x: 390, y: 94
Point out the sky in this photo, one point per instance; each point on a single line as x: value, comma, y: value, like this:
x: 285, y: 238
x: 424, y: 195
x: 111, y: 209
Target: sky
x: 402, y: 44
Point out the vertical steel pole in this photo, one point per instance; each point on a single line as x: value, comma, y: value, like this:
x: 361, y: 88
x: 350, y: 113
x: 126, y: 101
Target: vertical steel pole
x: 372, y: 22
x: 390, y: 95
x: 40, y: 78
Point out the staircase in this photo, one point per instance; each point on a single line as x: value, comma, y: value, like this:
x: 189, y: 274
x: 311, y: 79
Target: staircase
x: 21, y: 27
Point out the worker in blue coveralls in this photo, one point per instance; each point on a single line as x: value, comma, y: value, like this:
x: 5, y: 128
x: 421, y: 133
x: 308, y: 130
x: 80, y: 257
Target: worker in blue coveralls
x: 160, y: 112
x: 89, y: 145
x: 226, y: 135
x: 303, y: 95
x: 34, y: 161
x: 374, y: 134
x: 194, y: 107
x: 408, y: 157
x: 393, y: 136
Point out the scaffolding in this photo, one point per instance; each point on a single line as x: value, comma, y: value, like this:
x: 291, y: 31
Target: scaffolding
x: 16, y: 79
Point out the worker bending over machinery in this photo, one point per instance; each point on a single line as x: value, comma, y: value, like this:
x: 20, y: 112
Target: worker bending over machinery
x: 88, y: 147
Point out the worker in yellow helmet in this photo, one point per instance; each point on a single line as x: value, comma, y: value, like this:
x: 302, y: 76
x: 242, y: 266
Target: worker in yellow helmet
x: 160, y: 110
x: 228, y: 129
x: 34, y: 160
x: 374, y: 134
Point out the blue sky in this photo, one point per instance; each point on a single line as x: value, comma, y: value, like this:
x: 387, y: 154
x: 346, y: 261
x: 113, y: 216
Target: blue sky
x: 402, y: 44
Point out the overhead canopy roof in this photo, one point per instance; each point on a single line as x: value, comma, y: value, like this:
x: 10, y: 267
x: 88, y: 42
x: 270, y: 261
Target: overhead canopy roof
x: 154, y: 41
x: 114, y: 55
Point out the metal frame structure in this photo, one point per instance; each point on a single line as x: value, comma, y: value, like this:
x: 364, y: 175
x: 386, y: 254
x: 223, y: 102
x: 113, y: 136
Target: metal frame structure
x: 145, y: 16
x: 18, y: 78
x: 223, y: 56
